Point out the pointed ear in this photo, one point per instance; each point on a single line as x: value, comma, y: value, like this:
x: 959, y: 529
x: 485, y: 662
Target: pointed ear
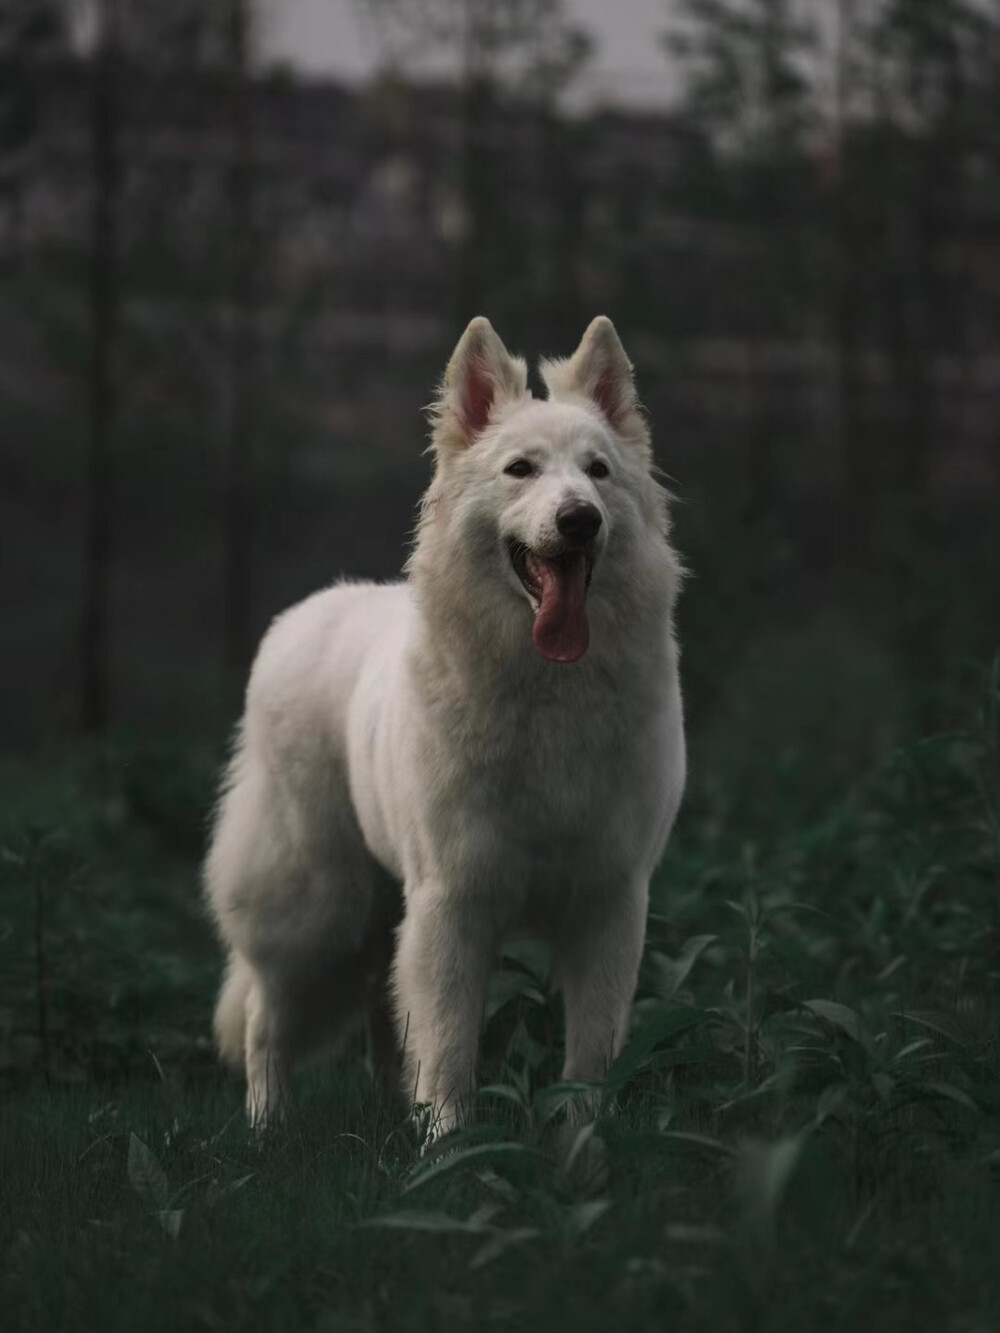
x: 481, y: 376
x: 600, y: 371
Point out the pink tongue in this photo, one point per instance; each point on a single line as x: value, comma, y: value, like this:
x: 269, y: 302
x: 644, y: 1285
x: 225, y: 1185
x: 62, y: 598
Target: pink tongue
x: 561, y: 630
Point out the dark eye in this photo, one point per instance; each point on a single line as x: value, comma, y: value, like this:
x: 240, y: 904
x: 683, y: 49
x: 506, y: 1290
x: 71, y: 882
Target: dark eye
x: 519, y: 468
x: 598, y: 470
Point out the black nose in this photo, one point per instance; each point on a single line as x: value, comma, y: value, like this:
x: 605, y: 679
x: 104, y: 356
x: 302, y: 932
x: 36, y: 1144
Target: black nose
x: 578, y: 521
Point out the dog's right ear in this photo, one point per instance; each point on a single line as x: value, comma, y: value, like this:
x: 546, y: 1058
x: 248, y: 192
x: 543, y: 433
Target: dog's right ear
x: 600, y: 372
x: 481, y: 376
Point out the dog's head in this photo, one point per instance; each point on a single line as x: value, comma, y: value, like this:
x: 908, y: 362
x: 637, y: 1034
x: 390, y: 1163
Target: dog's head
x: 550, y: 502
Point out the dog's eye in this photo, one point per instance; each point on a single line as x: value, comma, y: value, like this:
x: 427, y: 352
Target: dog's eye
x: 519, y: 468
x: 598, y: 470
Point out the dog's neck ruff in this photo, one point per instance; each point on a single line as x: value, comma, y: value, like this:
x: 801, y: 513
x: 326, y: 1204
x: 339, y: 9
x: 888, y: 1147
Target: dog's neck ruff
x: 462, y: 651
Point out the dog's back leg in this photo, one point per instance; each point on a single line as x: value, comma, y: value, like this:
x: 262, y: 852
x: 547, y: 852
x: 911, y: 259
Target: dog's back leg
x: 230, y: 1021
x: 268, y: 1060
x: 252, y: 1032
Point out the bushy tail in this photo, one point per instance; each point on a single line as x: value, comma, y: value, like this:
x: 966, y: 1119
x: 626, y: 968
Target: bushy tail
x: 231, y: 1010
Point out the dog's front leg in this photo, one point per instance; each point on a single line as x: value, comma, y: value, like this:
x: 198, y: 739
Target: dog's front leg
x: 598, y: 965
x: 440, y: 976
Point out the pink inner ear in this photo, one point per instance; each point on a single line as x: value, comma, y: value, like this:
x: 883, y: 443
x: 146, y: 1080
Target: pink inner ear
x: 477, y: 398
x: 606, y: 394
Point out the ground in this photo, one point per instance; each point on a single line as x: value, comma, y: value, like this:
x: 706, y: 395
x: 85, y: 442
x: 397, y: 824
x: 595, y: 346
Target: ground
x: 803, y: 1132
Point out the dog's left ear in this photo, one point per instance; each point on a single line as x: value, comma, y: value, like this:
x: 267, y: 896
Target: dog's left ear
x: 600, y: 371
x: 481, y: 376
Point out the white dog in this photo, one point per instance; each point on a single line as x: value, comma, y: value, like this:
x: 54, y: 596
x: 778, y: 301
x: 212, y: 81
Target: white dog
x: 494, y: 744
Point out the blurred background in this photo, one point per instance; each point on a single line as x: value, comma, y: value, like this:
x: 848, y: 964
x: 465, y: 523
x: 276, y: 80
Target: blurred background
x: 238, y: 240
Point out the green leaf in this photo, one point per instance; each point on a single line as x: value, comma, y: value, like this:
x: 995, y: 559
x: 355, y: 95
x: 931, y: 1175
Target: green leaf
x: 550, y: 1101
x: 838, y: 1015
x: 510, y: 985
x: 696, y: 1053
x: 885, y: 1086
x: 530, y: 956
x: 654, y: 1029
x: 503, y: 1090
x: 682, y: 1234
x: 422, y: 1221
x: 763, y: 1171
x: 581, y: 1138
x: 943, y: 1024
x: 699, y: 1141
x: 219, y: 1192
x: 911, y: 1048
x: 583, y: 1216
x: 170, y: 1221
x: 497, y: 1184
x: 500, y: 1242
x: 829, y: 1102
x: 583, y: 1157
x: 524, y: 1047
x: 948, y: 1090
x: 146, y: 1175
x: 807, y: 909
x: 851, y: 1239
x: 673, y: 972
x: 451, y: 1161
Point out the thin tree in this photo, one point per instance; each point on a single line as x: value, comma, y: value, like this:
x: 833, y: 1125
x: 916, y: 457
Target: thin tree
x: 528, y: 47
x: 29, y: 31
x: 95, y: 650
x: 857, y: 480
x: 238, y: 443
x: 742, y: 65
x: 935, y: 58
x: 167, y: 44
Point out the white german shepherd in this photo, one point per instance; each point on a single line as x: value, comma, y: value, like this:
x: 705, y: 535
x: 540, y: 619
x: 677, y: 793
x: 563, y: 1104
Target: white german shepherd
x: 494, y: 744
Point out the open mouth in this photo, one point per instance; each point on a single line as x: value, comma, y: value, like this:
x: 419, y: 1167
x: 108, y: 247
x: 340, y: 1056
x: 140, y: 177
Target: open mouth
x: 557, y: 586
x: 529, y: 567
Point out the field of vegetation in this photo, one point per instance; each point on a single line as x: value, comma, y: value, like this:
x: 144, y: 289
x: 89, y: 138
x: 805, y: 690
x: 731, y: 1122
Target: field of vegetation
x: 223, y: 301
x: 802, y: 1133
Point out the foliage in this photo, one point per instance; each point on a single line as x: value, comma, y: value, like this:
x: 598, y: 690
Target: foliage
x: 935, y: 61
x: 744, y: 69
x: 29, y: 30
x: 528, y: 46
x: 805, y: 1122
x: 804, y: 1128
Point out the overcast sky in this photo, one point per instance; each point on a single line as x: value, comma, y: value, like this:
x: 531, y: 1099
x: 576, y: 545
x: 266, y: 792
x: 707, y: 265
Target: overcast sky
x: 332, y: 37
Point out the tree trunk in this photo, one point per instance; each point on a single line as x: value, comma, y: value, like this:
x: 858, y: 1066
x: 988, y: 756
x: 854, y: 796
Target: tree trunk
x: 475, y: 252
x: 238, y: 463
x: 95, y: 635
x: 848, y: 247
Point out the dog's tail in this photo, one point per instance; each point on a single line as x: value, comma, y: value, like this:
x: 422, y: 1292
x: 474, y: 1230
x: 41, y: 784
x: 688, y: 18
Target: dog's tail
x: 231, y: 1010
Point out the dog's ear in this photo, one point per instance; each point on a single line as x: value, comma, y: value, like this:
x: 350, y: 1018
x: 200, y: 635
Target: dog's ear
x: 600, y: 371
x: 481, y: 376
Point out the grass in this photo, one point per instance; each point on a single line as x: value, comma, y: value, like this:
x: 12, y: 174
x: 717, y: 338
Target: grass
x: 803, y: 1132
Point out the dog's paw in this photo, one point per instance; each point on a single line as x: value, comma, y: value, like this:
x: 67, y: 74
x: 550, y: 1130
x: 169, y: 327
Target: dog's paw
x: 265, y: 1116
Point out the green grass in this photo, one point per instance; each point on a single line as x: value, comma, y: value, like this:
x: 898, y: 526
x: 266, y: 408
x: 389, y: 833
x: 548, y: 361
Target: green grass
x: 803, y: 1132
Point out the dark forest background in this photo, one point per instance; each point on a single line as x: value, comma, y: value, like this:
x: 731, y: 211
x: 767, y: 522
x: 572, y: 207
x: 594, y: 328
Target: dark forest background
x: 226, y: 294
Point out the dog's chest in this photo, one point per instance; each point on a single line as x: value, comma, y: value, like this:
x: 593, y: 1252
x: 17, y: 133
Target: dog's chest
x: 550, y: 770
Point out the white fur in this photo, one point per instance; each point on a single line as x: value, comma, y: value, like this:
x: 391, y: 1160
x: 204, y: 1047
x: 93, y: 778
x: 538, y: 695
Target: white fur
x: 412, y: 735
